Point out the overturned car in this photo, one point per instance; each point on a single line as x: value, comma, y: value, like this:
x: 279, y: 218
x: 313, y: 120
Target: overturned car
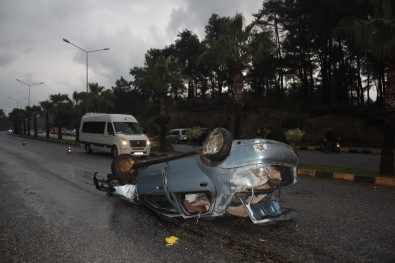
x: 237, y: 177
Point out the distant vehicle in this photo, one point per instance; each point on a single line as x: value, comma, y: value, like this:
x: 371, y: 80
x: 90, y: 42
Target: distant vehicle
x: 67, y: 132
x: 178, y: 135
x: 114, y: 133
x: 335, y: 146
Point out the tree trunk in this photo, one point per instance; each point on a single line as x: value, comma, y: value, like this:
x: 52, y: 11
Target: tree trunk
x: 46, y: 125
x: 77, y: 132
x: 310, y: 91
x: 238, y: 100
x: 28, y: 125
x: 303, y: 75
x: 387, y: 166
x: 359, y: 82
x: 280, y: 69
x: 35, y: 125
x: 368, y: 88
x: 77, y: 128
x: 162, y: 122
x: 324, y: 75
x: 60, y: 132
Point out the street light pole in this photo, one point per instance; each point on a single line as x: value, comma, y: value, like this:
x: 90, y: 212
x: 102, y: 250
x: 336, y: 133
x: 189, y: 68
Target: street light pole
x: 29, y: 84
x: 28, y: 111
x: 17, y: 101
x: 86, y: 52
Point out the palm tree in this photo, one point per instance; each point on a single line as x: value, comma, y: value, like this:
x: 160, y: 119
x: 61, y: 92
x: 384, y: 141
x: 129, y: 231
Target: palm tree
x: 100, y: 100
x: 47, y: 107
x: 165, y: 76
x: 35, y: 110
x: 29, y: 113
x: 235, y: 47
x: 78, y: 99
x: 17, y: 116
x: 62, y: 106
x: 376, y: 36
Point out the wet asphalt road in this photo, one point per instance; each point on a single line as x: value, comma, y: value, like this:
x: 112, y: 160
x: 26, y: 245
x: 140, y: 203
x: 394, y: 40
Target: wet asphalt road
x: 50, y: 212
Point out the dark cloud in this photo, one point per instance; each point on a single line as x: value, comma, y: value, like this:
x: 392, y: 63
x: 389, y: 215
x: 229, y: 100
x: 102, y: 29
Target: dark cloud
x: 32, y: 49
x: 6, y: 59
x: 194, y: 15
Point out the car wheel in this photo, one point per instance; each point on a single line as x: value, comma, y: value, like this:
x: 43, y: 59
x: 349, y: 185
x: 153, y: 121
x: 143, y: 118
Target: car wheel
x: 217, y: 145
x: 114, y: 151
x: 122, y: 169
x: 88, y: 148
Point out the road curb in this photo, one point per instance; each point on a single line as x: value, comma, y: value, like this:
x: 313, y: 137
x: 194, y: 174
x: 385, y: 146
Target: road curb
x: 39, y: 138
x: 343, y: 150
x: 377, y: 180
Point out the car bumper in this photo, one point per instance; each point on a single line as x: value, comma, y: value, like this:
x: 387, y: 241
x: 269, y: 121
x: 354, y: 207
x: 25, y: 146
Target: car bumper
x: 267, y: 212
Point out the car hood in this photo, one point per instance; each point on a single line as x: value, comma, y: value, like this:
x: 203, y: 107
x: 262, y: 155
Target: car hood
x: 133, y: 137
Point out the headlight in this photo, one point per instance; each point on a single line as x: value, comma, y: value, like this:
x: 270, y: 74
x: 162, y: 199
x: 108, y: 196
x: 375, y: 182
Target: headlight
x: 124, y: 142
x: 148, y: 142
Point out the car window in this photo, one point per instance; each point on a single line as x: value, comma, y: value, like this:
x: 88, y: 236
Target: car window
x: 127, y: 128
x: 110, y: 129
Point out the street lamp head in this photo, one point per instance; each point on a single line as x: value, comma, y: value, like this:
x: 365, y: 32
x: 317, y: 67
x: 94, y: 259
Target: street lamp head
x: 17, y: 99
x: 65, y: 40
x: 29, y: 84
x: 106, y: 48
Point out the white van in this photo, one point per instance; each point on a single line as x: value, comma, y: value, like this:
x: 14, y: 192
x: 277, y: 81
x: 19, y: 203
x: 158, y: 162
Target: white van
x: 114, y: 133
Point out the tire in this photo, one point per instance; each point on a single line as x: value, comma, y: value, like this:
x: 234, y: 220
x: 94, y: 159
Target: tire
x: 88, y: 148
x: 218, y: 144
x: 114, y: 151
x: 122, y: 169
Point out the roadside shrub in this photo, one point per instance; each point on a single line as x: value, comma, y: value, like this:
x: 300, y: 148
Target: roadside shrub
x: 194, y: 133
x: 294, y: 136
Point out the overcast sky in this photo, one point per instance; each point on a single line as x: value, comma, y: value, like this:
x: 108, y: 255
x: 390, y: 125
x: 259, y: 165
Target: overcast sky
x: 32, y: 49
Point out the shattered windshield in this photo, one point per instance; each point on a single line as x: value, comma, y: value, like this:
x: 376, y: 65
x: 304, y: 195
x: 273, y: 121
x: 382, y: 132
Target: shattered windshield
x: 128, y: 128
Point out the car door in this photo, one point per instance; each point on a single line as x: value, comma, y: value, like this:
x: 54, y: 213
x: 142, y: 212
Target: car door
x: 187, y: 186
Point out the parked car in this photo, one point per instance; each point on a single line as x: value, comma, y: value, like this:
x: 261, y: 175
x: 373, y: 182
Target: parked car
x: 177, y: 135
x: 67, y: 132
x: 236, y: 177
